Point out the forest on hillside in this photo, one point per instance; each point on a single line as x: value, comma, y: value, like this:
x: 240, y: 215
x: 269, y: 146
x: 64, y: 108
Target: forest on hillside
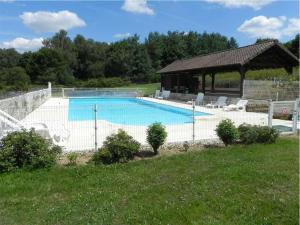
x: 89, y: 63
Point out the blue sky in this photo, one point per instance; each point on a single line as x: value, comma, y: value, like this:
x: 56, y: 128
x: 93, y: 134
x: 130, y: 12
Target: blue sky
x: 24, y: 24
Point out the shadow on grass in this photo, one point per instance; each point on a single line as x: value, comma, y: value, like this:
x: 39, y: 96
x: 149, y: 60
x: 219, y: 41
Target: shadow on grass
x: 145, y: 154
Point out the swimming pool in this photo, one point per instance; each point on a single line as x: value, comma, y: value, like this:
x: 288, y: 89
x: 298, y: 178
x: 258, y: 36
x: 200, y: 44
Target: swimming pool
x: 128, y: 111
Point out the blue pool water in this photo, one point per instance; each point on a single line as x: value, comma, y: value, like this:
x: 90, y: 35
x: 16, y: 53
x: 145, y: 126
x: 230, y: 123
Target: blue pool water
x: 129, y: 111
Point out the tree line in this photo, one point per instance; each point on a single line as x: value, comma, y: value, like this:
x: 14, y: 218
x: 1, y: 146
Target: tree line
x: 86, y: 62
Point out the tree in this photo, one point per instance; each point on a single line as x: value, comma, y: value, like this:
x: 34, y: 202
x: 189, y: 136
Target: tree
x: 9, y: 58
x: 17, y: 78
x: 91, y: 58
x: 260, y: 40
x: 49, y: 65
x: 154, y: 45
x: 293, y: 45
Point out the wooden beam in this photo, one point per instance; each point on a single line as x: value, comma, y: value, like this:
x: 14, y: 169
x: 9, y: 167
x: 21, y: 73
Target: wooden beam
x: 242, y: 73
x: 203, y: 83
x: 177, y: 87
x: 212, y: 82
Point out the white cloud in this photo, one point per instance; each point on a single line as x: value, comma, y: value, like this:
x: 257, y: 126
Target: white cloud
x: 44, y: 21
x: 23, y: 44
x: 137, y: 6
x: 121, y: 36
x: 293, y: 27
x: 272, y: 27
x: 255, y: 4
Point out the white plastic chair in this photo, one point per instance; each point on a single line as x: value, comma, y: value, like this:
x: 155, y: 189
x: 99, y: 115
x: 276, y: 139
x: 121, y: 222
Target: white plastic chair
x: 199, y: 99
x: 221, y: 102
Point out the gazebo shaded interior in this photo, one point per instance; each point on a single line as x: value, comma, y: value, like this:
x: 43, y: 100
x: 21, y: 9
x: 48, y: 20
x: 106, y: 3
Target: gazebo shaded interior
x: 182, y: 76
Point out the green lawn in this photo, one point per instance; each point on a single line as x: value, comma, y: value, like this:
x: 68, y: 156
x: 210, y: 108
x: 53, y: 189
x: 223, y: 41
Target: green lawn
x: 147, y: 89
x: 256, y: 184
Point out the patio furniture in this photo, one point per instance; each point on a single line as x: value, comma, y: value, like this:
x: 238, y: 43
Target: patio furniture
x: 199, y: 99
x: 221, y: 102
x: 240, y: 105
x: 157, y: 94
x: 165, y: 95
x: 58, y: 133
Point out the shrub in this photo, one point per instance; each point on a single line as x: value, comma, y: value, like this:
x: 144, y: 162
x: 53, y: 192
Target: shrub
x: 26, y: 149
x: 109, y: 82
x: 119, y: 147
x: 248, y: 134
x: 227, y: 132
x: 266, y: 134
x: 156, y: 136
x: 72, y: 158
x: 257, y: 134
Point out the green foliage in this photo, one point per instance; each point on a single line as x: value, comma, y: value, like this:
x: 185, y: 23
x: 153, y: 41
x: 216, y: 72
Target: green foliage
x: 117, y: 148
x: 105, y: 82
x: 17, y: 78
x: 227, y: 132
x: 72, y: 158
x: 293, y: 45
x: 248, y: 134
x: 266, y: 134
x: 66, y: 61
x: 26, y: 149
x: 156, y: 136
x: 257, y: 134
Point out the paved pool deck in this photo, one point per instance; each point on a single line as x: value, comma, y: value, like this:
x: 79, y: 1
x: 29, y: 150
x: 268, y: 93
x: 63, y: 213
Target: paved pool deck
x: 54, y: 113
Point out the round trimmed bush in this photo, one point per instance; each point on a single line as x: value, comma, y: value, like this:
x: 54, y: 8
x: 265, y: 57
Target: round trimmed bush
x: 227, y: 132
x: 26, y: 149
x: 117, y: 148
x: 266, y: 134
x: 248, y: 134
x: 257, y: 134
x: 156, y: 136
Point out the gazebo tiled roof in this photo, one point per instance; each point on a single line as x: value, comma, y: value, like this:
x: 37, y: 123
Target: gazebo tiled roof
x: 269, y: 54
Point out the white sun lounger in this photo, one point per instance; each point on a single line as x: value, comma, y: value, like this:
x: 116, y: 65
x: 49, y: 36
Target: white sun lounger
x: 240, y: 105
x: 199, y: 99
x: 59, y: 134
x: 221, y: 102
x: 157, y: 94
x: 165, y: 95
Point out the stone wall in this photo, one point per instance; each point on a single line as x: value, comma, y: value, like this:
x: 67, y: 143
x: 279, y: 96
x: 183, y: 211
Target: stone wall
x: 20, y: 106
x: 275, y: 90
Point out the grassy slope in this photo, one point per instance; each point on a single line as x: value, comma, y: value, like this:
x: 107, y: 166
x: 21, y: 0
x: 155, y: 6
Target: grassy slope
x: 147, y: 89
x: 256, y: 184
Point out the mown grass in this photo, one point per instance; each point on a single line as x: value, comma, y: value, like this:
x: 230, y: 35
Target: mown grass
x: 255, y: 184
x: 147, y: 89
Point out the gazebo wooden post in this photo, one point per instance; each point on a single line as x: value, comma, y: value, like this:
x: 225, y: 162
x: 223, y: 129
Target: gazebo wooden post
x: 242, y: 73
x: 177, y: 87
x: 203, y: 83
x: 289, y: 69
x: 213, y: 82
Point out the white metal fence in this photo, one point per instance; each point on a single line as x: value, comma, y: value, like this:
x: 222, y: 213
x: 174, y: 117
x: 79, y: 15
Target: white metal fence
x: 85, y: 125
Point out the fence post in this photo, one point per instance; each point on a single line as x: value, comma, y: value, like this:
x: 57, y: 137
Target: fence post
x: 50, y: 89
x: 193, y: 105
x: 295, y: 116
x: 270, y: 113
x: 95, y: 113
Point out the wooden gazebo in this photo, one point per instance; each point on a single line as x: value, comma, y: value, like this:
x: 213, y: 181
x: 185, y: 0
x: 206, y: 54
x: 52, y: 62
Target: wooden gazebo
x: 183, y: 75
